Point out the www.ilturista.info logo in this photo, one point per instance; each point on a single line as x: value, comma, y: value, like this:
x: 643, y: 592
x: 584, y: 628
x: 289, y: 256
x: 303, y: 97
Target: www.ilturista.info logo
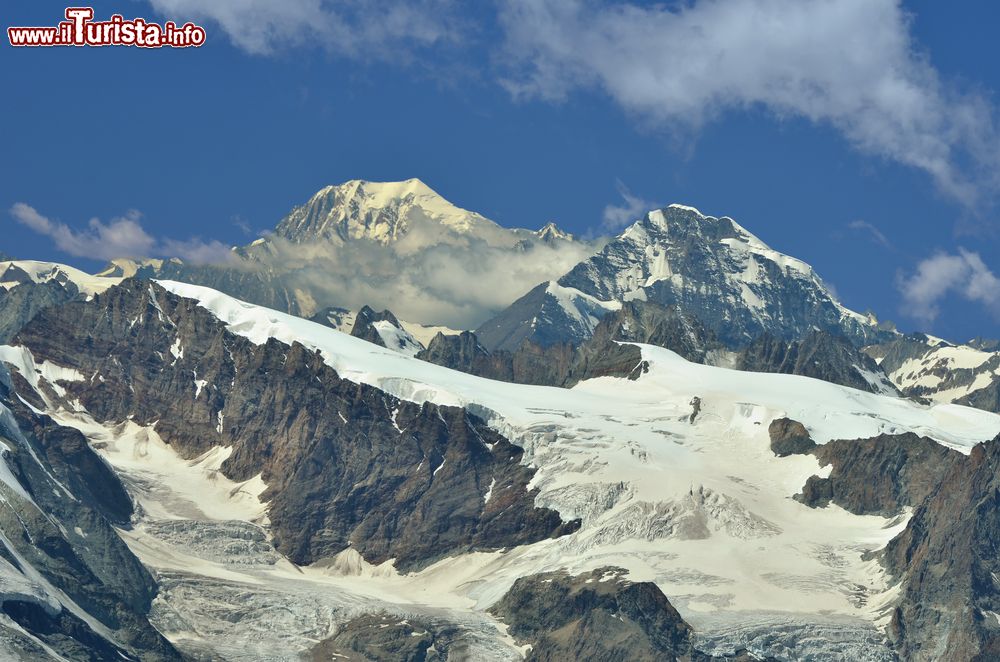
x: 79, y: 29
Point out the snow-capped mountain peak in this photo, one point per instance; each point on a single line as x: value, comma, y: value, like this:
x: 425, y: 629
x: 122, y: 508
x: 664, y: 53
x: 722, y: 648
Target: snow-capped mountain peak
x: 380, y: 211
x: 678, y: 255
x: 550, y: 232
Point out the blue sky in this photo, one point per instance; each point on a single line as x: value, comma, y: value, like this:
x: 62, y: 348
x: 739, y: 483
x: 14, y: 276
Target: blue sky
x: 857, y: 136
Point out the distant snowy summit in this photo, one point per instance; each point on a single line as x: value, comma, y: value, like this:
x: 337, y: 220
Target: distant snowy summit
x: 710, y: 267
x: 386, y: 212
x: 377, y: 243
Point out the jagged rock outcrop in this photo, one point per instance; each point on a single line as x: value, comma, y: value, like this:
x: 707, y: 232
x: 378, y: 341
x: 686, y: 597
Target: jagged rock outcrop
x: 789, y: 437
x: 20, y: 304
x: 66, y: 578
x: 464, y: 352
x: 607, y: 352
x: 819, y: 354
x: 384, y: 330
x: 878, y: 476
x: 385, y: 638
x: 596, y: 615
x: 346, y: 464
x: 555, y: 365
x: 985, y: 344
x: 335, y: 317
x: 947, y: 561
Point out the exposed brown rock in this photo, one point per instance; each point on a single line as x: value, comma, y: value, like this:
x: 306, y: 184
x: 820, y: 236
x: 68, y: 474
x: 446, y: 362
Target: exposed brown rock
x: 346, y: 464
x: 789, y: 437
x: 597, y: 615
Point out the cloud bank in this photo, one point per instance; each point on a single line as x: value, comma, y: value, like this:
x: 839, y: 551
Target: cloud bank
x: 428, y: 276
x: 963, y: 273
x: 849, y: 64
x: 123, y: 236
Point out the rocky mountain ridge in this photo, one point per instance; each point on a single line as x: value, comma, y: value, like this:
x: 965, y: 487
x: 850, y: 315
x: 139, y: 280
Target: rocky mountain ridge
x: 409, y: 481
x: 711, y: 267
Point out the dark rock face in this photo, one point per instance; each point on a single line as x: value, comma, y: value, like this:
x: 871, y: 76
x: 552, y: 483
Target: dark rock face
x: 464, y: 352
x: 63, y: 632
x: 985, y: 344
x: 364, y: 328
x: 346, y: 464
x: 332, y: 316
x: 606, y: 618
x: 987, y: 398
x: 64, y: 534
x: 19, y: 305
x: 946, y: 557
x: 789, y: 437
x: 383, y: 638
x: 538, y: 317
x: 879, y: 476
x: 250, y: 282
x: 653, y: 324
x: 555, y: 365
x: 598, y: 615
x: 363, y: 324
x: 948, y: 563
x: 820, y: 355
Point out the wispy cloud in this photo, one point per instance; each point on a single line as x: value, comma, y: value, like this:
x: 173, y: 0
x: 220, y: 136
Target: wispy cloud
x: 123, y: 236
x: 850, y: 64
x: 368, y: 29
x: 963, y: 273
x: 876, y: 235
x: 615, y: 217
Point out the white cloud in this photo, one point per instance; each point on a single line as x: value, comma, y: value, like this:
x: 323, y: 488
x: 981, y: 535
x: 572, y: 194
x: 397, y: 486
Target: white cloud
x: 429, y: 276
x: 123, y: 236
x: 876, y: 235
x: 963, y: 273
x: 633, y: 208
x: 359, y: 28
x: 851, y: 64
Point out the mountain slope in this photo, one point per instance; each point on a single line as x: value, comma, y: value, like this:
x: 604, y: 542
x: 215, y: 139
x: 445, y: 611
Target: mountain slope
x: 926, y: 367
x: 712, y: 268
x: 623, y: 456
x: 344, y: 465
x: 69, y: 587
x: 672, y: 476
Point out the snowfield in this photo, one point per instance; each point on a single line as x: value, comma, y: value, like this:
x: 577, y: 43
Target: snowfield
x: 699, y: 504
